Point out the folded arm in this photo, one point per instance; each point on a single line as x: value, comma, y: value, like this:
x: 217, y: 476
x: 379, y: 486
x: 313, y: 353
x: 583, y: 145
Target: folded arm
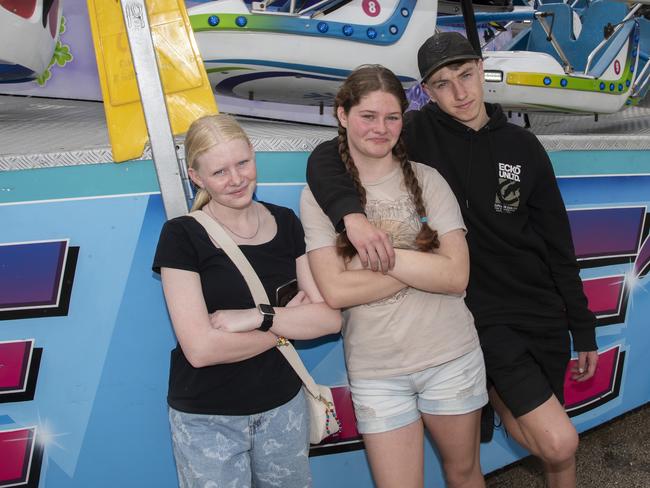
x: 345, y: 288
x: 446, y: 270
x: 307, y: 316
x: 202, y: 344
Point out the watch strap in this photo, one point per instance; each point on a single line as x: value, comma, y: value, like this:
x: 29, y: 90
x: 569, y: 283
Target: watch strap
x: 267, y: 322
x: 268, y: 314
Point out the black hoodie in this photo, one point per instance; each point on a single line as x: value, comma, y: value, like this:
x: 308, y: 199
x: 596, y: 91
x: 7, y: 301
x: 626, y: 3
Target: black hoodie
x: 523, y: 266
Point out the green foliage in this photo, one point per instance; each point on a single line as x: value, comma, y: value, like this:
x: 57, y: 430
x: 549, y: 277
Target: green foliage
x: 61, y: 57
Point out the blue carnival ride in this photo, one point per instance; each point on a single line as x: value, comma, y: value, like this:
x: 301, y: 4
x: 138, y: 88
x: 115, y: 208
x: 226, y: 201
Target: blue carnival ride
x: 299, y: 52
x: 592, y: 58
x: 587, y: 57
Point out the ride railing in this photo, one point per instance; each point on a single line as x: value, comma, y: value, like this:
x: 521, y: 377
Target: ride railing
x: 601, y: 56
x: 642, y: 78
x: 629, y: 18
x: 548, y: 29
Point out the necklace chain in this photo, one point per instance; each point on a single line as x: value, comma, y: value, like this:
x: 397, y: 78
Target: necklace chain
x: 257, y: 212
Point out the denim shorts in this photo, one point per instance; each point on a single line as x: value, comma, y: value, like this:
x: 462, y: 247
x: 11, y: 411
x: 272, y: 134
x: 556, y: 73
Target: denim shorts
x: 452, y: 388
x: 264, y: 450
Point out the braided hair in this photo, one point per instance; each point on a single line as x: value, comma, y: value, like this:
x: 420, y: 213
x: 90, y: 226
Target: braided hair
x: 361, y: 82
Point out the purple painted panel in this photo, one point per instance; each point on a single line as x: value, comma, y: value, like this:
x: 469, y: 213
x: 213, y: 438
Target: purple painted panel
x: 31, y: 274
x: 643, y: 259
x: 606, y: 232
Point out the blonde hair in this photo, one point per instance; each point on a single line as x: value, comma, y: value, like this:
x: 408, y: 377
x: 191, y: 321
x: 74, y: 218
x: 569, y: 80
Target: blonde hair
x: 203, y: 135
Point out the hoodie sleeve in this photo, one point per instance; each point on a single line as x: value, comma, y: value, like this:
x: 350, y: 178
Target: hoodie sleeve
x: 549, y: 218
x: 331, y: 184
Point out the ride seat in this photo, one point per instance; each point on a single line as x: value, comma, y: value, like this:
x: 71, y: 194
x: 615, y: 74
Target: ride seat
x: 562, y: 30
x: 608, y: 53
x: 594, y: 19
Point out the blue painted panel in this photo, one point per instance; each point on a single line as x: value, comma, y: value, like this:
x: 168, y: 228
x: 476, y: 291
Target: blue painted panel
x: 100, y: 400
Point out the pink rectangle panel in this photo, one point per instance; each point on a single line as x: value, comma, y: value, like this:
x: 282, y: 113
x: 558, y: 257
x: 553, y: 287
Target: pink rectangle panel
x: 14, y: 447
x: 603, y: 294
x: 577, y: 393
x: 13, y: 357
x: 345, y: 413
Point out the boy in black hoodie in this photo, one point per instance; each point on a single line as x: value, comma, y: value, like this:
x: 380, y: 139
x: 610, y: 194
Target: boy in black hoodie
x: 525, y: 290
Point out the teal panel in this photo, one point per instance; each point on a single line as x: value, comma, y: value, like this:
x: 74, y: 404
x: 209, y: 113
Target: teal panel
x: 281, y: 167
x: 89, y: 180
x: 583, y: 163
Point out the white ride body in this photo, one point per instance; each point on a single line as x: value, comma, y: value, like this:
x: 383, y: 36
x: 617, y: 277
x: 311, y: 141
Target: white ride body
x: 542, y: 98
x: 304, y: 60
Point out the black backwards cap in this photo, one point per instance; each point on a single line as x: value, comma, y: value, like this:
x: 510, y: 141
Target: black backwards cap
x: 442, y: 49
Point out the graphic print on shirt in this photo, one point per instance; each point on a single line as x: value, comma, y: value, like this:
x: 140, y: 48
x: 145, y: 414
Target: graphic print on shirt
x: 400, y: 221
x: 508, y: 188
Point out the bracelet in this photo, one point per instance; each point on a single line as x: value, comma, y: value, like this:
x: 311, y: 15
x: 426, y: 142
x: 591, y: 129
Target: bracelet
x: 282, y: 341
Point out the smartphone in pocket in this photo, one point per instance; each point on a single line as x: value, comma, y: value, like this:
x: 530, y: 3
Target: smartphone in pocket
x: 286, y: 292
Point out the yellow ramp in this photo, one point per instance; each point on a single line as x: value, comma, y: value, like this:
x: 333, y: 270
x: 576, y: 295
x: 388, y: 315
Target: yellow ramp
x: 187, y: 91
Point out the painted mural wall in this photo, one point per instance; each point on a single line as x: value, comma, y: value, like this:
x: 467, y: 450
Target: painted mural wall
x: 85, y: 337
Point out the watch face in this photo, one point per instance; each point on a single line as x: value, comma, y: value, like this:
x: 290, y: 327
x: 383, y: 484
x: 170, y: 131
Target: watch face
x: 266, y: 309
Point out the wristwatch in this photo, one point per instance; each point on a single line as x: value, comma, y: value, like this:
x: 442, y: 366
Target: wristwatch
x: 268, y: 313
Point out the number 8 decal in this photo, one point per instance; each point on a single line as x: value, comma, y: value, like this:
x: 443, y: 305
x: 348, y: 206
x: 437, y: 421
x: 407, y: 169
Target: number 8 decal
x: 371, y: 7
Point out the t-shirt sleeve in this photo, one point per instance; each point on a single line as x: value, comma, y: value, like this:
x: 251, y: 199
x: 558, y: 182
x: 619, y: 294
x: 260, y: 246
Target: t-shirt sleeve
x: 319, y: 231
x: 442, y: 207
x: 175, y: 249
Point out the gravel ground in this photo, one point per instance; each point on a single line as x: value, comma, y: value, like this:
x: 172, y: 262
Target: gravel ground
x: 615, y: 454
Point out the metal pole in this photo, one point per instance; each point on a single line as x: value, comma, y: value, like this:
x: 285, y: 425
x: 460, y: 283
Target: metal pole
x: 161, y: 138
x: 470, y: 25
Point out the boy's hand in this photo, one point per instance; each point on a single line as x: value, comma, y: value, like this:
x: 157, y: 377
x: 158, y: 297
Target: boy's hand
x: 585, y: 367
x: 373, y: 245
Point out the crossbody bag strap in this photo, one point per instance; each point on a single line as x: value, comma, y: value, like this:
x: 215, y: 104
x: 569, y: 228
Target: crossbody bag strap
x: 230, y: 247
x: 225, y: 242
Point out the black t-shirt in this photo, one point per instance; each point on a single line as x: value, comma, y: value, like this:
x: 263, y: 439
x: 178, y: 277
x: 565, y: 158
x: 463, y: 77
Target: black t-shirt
x: 256, y: 384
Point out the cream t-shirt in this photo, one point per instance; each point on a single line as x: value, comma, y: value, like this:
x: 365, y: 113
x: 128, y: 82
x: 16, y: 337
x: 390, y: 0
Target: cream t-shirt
x: 413, y: 329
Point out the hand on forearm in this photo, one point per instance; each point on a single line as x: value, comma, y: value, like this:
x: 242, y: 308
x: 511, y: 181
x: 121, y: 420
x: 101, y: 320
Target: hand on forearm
x: 446, y: 270
x: 236, y: 320
x: 428, y: 272
x: 342, y: 288
x: 372, y: 244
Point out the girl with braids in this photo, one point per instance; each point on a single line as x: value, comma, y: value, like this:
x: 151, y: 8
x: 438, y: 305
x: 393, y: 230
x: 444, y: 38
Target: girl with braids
x: 411, y: 349
x: 237, y: 412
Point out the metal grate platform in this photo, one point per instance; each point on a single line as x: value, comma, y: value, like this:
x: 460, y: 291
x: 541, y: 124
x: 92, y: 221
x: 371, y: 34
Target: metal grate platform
x: 38, y: 133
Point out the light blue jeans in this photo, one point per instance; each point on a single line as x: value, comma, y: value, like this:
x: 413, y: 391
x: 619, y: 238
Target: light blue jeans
x: 264, y: 450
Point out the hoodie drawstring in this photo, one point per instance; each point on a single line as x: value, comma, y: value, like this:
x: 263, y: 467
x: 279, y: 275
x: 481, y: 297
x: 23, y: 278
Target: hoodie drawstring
x: 494, y: 163
x: 468, y: 172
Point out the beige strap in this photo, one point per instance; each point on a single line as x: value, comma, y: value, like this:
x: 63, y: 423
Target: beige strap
x: 219, y: 235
